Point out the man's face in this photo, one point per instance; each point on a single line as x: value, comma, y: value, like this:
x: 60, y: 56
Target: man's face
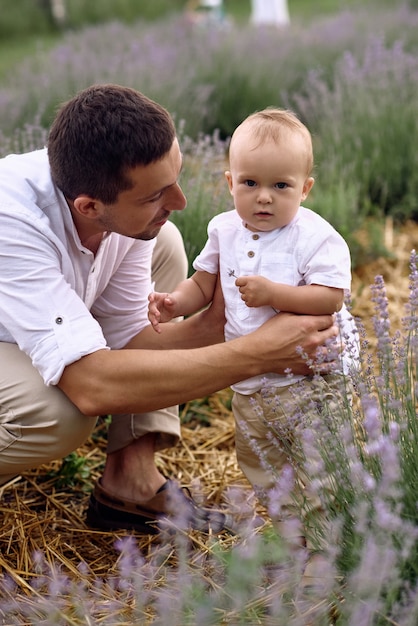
x: 141, y: 211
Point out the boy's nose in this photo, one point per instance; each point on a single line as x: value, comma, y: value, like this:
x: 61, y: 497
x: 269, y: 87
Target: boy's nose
x: 264, y: 197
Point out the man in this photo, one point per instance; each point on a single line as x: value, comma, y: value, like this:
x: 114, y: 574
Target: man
x: 78, y: 223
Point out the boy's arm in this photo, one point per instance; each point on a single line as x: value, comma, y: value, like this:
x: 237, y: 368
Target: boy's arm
x: 190, y: 296
x: 304, y: 299
x: 206, y: 284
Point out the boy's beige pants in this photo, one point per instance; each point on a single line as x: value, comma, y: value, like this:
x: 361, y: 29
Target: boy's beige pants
x: 268, y: 427
x: 39, y: 423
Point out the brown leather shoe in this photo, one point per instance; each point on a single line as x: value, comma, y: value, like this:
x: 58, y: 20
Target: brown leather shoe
x: 171, y: 506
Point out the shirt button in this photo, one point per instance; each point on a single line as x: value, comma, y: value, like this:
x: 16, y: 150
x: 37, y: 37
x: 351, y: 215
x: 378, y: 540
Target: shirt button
x: 251, y: 253
x: 255, y: 237
x: 59, y: 320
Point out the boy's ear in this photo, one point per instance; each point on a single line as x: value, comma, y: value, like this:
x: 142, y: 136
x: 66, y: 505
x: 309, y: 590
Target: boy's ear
x: 307, y: 186
x: 228, y: 177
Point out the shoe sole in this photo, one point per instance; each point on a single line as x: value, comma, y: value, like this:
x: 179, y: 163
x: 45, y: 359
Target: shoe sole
x: 147, y: 520
x: 104, y: 517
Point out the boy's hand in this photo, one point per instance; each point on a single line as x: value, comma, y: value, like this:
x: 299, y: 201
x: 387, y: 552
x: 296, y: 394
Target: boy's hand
x: 254, y: 290
x: 161, y: 308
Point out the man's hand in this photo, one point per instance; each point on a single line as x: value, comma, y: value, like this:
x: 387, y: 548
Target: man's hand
x: 295, y: 342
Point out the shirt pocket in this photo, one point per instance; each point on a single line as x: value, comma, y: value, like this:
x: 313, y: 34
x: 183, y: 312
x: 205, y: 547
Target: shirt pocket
x: 280, y: 267
x: 235, y: 306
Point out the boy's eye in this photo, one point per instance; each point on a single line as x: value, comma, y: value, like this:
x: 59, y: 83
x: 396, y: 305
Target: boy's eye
x: 281, y: 185
x: 250, y: 183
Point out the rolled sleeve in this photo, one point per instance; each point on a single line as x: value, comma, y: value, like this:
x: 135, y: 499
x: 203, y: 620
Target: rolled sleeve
x: 39, y: 309
x: 72, y: 337
x: 59, y: 301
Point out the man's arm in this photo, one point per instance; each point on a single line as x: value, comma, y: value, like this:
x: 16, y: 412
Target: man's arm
x: 140, y: 380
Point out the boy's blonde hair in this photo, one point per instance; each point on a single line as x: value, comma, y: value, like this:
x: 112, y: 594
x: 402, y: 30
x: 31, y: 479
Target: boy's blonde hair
x: 275, y: 124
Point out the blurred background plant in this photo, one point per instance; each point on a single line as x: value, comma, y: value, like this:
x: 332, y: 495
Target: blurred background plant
x: 31, y: 17
x: 351, y: 75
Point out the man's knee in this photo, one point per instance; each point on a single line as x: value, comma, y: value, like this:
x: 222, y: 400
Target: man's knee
x: 37, y: 423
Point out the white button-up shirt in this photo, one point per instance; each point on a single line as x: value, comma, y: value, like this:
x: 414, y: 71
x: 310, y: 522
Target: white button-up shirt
x: 306, y: 251
x: 58, y: 301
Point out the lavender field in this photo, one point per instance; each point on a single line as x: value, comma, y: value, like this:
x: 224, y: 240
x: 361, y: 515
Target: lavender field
x: 353, y: 79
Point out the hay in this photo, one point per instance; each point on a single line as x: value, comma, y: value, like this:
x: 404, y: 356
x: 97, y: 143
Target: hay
x: 39, y: 515
x: 395, y: 271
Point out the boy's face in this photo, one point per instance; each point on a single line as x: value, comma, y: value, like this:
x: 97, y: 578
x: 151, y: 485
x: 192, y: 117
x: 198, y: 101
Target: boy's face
x: 268, y: 181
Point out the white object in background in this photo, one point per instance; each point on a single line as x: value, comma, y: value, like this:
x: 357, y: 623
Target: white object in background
x: 274, y: 12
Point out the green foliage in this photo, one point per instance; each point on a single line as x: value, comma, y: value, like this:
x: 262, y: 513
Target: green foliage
x: 205, y: 187
x: 24, y: 18
x: 81, y: 13
x: 74, y: 471
x: 365, y: 135
x: 20, y: 18
x: 196, y: 411
x: 14, y: 51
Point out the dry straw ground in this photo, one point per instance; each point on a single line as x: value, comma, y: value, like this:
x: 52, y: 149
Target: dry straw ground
x: 39, y: 514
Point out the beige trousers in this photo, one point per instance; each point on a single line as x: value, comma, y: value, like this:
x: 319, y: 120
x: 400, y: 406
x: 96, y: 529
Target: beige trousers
x: 266, y: 439
x: 39, y: 423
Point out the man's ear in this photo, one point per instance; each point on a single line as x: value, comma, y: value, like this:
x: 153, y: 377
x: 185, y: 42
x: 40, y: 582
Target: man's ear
x: 87, y: 206
x: 228, y: 177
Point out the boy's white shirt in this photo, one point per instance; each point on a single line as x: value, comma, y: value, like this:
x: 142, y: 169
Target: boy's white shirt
x: 306, y: 251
